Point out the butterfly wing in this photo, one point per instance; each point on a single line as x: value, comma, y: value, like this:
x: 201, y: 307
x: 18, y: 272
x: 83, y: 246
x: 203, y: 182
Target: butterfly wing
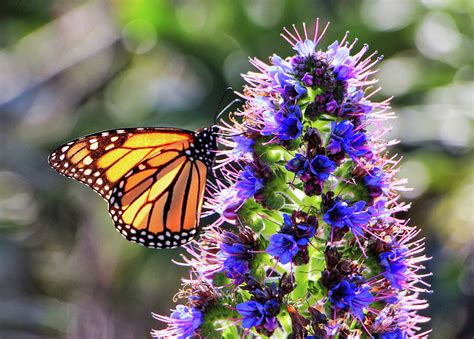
x: 158, y: 203
x: 100, y: 160
x: 153, y: 179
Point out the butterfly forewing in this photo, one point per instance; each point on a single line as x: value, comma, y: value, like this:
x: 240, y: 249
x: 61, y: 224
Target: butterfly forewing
x: 100, y: 160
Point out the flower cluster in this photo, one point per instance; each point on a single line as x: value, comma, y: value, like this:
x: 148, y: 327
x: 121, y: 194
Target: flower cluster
x: 308, y: 239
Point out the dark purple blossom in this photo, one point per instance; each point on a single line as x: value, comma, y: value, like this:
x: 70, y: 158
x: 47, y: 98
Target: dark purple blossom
x: 331, y: 106
x: 344, y: 138
x: 395, y: 266
x: 248, y: 183
x: 272, y: 307
x: 297, y: 165
x: 321, y: 167
x: 347, y: 294
x: 253, y: 313
x: 342, y: 214
x: 308, y: 80
x: 293, y: 238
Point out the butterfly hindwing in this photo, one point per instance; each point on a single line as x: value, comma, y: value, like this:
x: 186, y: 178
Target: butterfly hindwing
x: 100, y: 160
x: 158, y: 203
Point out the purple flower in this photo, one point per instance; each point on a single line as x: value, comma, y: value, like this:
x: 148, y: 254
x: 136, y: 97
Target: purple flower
x: 336, y: 54
x: 308, y: 80
x: 376, y: 182
x: 305, y: 48
x: 331, y: 106
x: 282, y: 74
x: 283, y: 247
x: 344, y: 138
x: 297, y: 165
x: 271, y: 307
x: 290, y: 128
x: 355, y: 104
x: 342, y: 214
x: 253, y: 313
x: 243, y: 146
x: 248, y: 183
x: 395, y: 266
x: 347, y: 294
x: 182, y: 323
x: 271, y: 324
x: 397, y: 334
x: 235, y: 259
x: 343, y: 72
x: 284, y: 124
x: 188, y: 318
x: 235, y: 254
x: 321, y: 166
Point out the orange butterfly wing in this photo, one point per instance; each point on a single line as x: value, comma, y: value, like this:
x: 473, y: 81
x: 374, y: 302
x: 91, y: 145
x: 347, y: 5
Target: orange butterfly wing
x: 158, y: 203
x: 100, y: 160
x: 153, y: 179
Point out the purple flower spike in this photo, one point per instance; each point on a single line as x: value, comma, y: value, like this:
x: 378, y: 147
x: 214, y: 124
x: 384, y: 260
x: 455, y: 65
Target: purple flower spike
x: 305, y: 153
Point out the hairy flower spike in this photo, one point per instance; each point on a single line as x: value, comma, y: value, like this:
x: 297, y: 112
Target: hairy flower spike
x: 308, y: 241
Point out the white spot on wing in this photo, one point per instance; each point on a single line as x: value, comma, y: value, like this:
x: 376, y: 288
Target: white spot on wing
x: 87, y: 160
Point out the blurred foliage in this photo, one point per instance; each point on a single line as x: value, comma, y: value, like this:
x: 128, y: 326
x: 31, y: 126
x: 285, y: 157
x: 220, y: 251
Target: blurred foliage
x: 68, y: 68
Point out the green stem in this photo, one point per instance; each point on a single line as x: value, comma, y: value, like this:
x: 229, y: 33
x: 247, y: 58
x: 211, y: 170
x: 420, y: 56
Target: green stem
x: 292, y: 196
x: 301, y: 278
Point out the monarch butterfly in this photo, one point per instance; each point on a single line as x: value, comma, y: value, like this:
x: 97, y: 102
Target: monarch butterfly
x: 152, y: 178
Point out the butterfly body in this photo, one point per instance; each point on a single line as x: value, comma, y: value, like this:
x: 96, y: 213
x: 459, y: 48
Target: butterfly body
x: 152, y: 178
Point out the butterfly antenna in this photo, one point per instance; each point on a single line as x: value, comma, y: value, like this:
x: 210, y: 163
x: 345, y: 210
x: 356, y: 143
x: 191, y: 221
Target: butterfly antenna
x: 227, y: 90
x: 218, y: 114
x: 233, y: 102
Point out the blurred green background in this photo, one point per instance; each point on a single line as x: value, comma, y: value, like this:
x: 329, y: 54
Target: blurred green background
x: 69, y: 68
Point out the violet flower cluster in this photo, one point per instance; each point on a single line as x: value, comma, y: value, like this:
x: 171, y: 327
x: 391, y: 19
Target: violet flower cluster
x: 308, y: 240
